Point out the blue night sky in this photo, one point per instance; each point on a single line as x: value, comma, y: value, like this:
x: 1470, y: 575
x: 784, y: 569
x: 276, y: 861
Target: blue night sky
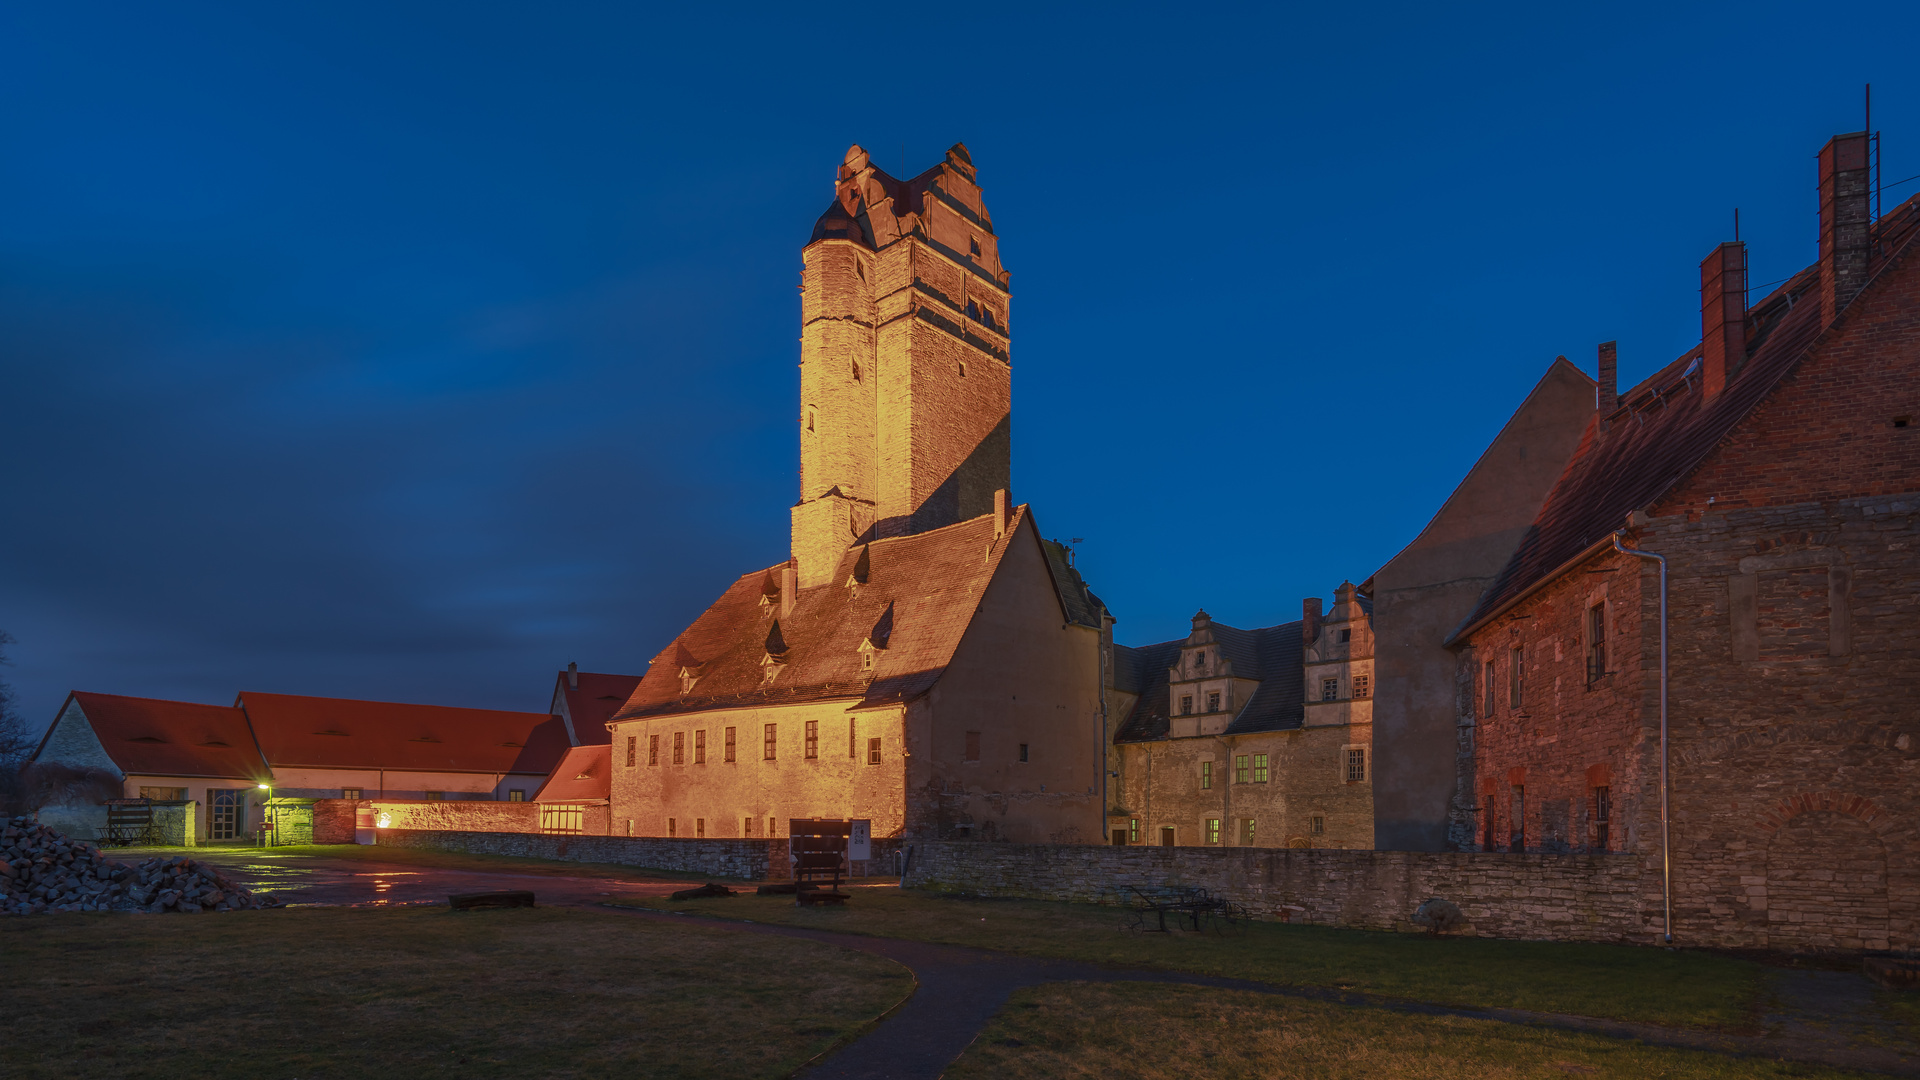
x: 409, y: 352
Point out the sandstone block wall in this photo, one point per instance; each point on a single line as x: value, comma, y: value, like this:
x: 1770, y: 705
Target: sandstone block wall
x: 1547, y: 897
x: 748, y: 860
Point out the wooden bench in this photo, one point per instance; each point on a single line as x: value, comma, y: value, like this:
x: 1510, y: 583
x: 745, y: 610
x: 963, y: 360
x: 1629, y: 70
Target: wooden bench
x: 817, y: 848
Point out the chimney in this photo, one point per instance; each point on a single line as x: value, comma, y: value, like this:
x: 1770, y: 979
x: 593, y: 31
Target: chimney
x: 1310, y: 620
x: 573, y: 675
x: 789, y: 587
x: 1607, y: 394
x: 999, y: 513
x: 1843, y: 221
x: 1723, y: 316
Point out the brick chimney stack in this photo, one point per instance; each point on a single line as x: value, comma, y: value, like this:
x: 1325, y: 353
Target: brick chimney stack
x: 1723, y: 315
x: 1844, y: 223
x: 1607, y: 394
x: 1310, y: 620
x: 789, y: 587
x: 1000, y: 512
x: 573, y: 675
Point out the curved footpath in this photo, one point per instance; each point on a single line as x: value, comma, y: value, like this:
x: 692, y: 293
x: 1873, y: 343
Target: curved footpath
x: 959, y: 989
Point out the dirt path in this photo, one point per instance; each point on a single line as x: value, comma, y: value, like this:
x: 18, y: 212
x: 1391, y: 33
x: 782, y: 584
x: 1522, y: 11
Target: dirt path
x: 1824, y: 1017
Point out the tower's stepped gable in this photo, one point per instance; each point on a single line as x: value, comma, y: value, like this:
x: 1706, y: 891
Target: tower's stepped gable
x: 905, y: 387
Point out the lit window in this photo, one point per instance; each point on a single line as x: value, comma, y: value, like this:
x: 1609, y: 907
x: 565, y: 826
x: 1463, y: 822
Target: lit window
x: 1246, y: 834
x: 729, y: 756
x: 633, y: 742
x: 700, y: 747
x: 679, y: 748
x: 1356, y: 766
x: 1186, y: 705
x: 1329, y: 689
x: 513, y: 795
x: 351, y: 793
x: 1259, y: 768
x: 772, y: 740
x: 561, y: 819
x: 973, y: 746
x: 1213, y: 830
x: 653, y: 749
x: 1133, y: 830
x: 1596, y: 641
x: 813, y: 739
x: 873, y: 751
x: 1318, y: 825
x: 1206, y: 775
x: 1023, y: 752
x: 1213, y: 701
x: 433, y: 796
x: 1242, y: 770
x: 1361, y: 685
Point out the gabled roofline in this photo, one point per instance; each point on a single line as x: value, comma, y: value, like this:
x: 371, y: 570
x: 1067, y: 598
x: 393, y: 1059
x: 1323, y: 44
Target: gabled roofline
x: 1467, y: 630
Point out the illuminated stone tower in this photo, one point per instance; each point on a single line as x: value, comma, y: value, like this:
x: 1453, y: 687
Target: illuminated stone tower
x: 905, y: 390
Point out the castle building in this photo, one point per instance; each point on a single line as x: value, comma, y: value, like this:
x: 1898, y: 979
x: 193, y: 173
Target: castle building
x: 1701, y: 654
x: 923, y: 659
x: 1249, y: 738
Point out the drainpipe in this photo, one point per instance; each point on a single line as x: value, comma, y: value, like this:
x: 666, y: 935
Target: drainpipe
x: 1666, y: 784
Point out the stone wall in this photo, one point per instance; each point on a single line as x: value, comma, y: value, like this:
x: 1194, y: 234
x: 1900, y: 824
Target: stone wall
x: 1549, y: 897
x: 748, y: 860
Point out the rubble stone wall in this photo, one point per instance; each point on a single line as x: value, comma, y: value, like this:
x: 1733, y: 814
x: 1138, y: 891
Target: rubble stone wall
x: 1548, y: 897
x: 750, y: 860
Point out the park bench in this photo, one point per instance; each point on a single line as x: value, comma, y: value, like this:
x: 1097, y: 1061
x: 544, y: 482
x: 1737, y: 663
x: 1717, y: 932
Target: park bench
x: 817, y: 848
x: 129, y: 821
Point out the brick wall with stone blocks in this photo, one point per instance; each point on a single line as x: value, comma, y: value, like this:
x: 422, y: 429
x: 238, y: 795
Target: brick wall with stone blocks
x: 1543, y: 897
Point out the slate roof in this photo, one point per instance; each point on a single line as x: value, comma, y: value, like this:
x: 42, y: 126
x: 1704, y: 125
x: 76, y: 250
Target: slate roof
x: 1275, y: 655
x: 151, y: 737
x: 338, y: 733
x: 918, y: 597
x: 1664, y: 428
x: 594, y: 703
x: 583, y: 775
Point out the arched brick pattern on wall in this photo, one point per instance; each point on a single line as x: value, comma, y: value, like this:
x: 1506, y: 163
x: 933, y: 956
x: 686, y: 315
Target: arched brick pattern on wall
x: 1826, y: 873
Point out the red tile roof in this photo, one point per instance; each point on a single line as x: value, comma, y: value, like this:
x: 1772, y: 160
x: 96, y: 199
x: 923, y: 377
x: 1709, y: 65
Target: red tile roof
x: 918, y: 597
x: 150, y: 737
x: 583, y: 775
x: 590, y: 706
x: 1664, y: 429
x: 315, y: 732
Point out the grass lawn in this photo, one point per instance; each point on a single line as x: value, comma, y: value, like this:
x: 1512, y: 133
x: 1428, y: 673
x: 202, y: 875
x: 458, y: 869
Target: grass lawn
x: 344, y: 993
x: 1152, y: 1032
x: 1682, y: 989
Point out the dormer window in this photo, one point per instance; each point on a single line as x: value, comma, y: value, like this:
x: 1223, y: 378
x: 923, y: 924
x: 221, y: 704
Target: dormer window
x: 866, y: 661
x: 688, y: 678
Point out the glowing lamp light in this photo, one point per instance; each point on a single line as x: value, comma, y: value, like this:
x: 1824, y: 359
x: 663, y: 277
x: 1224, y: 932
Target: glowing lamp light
x: 385, y: 819
x: 265, y: 787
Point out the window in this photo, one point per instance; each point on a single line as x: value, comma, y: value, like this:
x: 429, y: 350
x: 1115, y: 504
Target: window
x: 973, y: 245
x: 700, y: 827
x: 1596, y: 641
x: 1602, y: 815
x: 813, y: 740
x: 1213, y: 701
x: 856, y: 371
x: 1486, y: 698
x: 1356, y: 765
x: 729, y: 749
x: 1213, y: 830
x: 746, y: 826
x: 1246, y: 833
x: 1186, y: 705
x: 653, y: 749
x: 873, y: 751
x: 771, y: 831
x: 633, y: 743
x: 973, y: 746
x: 1346, y: 635
x: 973, y: 311
x: 679, y: 748
x: 1317, y: 825
x: 433, y: 796
x: 963, y: 369
x: 768, y: 748
x: 629, y: 826
x: 853, y: 739
x: 179, y: 794
x: 513, y: 794
x: 1133, y: 830
x: 866, y: 660
x: 809, y: 418
x: 1206, y: 775
x: 672, y: 827
x: 561, y: 819
x: 345, y: 793
x: 1242, y: 770
x: 1200, y: 661
x: 1361, y: 685
x: 1259, y: 768
x: 1329, y: 689
x: 1023, y: 753
x: 1516, y: 676
x: 700, y: 747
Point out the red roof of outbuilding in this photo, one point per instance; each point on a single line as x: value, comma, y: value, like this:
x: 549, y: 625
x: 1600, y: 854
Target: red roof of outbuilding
x: 315, y: 732
x: 151, y: 737
x: 583, y: 775
x: 594, y: 703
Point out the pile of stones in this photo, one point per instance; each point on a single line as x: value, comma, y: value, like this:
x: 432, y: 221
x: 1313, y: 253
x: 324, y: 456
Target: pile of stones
x: 41, y: 870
